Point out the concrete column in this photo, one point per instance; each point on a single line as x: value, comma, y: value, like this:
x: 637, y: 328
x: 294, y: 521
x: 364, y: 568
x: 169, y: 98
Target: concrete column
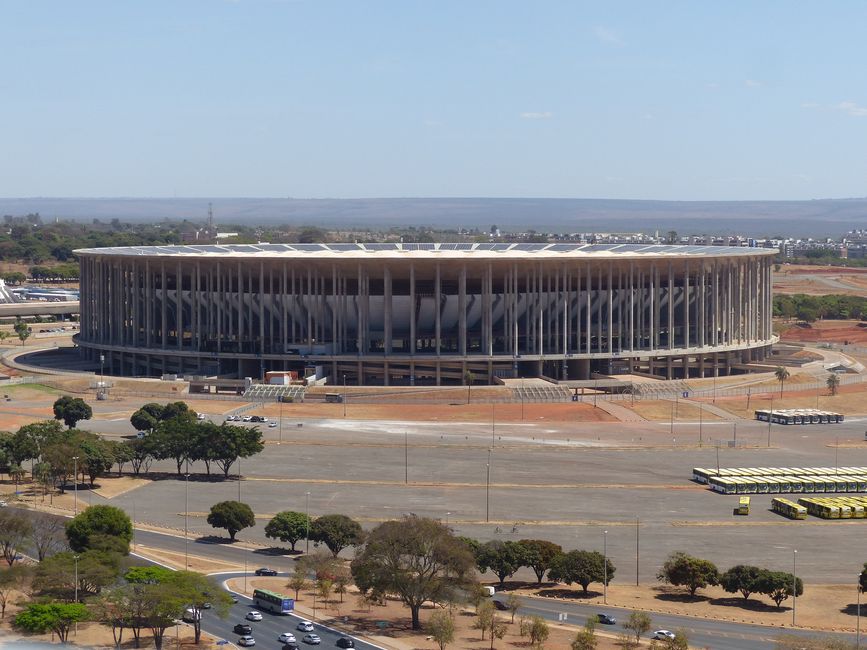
x: 462, y: 309
x: 438, y: 323
x: 387, y: 314
x: 670, y: 312
x: 412, y: 310
x: 686, y: 306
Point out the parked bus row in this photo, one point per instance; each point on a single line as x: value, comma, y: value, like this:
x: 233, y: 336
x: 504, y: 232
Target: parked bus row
x: 835, y: 507
x: 789, y: 484
x: 703, y: 474
x: 799, y: 416
x: 788, y: 508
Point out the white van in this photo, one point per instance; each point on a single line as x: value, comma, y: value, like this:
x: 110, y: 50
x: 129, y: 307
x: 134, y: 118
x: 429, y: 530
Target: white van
x: 191, y: 615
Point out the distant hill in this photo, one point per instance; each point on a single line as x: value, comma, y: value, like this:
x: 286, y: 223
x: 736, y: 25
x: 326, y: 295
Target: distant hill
x: 821, y: 217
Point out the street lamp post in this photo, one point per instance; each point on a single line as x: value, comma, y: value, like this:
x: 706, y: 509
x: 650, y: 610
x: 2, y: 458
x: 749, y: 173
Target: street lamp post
x: 447, y: 519
x: 488, y: 489
x: 699, y: 424
x: 605, y: 566
x: 770, y: 419
x: 794, y: 583
x: 637, y: 533
x: 239, y: 479
x: 281, y: 421
x: 858, y: 617
x: 75, y: 559
x: 75, y: 482
x: 344, y: 394
x: 307, y: 522
x: 493, y: 425
x: 186, y: 514
x: 406, y: 458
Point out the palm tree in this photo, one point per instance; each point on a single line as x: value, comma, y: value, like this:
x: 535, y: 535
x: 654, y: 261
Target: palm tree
x: 469, y: 378
x: 833, y: 382
x: 782, y: 374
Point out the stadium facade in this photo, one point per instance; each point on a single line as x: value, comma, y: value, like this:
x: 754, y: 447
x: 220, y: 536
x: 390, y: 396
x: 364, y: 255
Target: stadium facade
x: 426, y: 313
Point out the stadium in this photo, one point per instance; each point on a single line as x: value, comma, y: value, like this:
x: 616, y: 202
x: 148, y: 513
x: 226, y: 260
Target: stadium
x: 426, y: 314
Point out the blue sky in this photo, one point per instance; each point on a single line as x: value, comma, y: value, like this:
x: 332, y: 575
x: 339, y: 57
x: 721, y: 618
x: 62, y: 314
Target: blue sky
x: 645, y: 100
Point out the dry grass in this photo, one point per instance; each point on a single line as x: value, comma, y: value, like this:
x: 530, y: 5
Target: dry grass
x: 664, y: 410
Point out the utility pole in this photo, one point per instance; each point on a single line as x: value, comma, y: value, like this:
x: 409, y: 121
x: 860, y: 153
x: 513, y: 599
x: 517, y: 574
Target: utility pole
x: 405, y: 458
x: 75, y: 482
x: 794, y: 583
x: 344, y: 394
x: 605, y: 566
x: 239, y: 479
x: 186, y: 514
x: 637, y: 533
x: 488, y: 489
x: 493, y: 425
x: 307, y: 513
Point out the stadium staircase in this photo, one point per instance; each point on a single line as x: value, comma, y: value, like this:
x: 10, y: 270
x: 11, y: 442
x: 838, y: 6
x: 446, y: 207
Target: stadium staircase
x: 274, y: 393
x: 541, y: 394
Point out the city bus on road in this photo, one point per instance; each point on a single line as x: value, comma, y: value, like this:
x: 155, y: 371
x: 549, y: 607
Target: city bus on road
x: 271, y: 601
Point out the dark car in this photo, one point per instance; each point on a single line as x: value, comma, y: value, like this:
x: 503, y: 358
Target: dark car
x: 290, y: 646
x: 243, y: 628
x: 501, y: 605
x: 605, y: 619
x: 265, y: 571
x: 345, y: 642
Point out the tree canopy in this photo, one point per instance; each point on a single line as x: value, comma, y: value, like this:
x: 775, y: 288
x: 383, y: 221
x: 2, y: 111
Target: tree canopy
x: 234, y: 516
x: 336, y: 532
x: 682, y: 570
x: 71, y: 410
x: 583, y: 567
x: 97, y: 527
x: 416, y: 559
x: 288, y: 526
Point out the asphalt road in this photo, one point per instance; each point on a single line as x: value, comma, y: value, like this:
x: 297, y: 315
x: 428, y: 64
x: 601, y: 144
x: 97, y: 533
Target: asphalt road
x: 703, y: 633
x: 267, y: 631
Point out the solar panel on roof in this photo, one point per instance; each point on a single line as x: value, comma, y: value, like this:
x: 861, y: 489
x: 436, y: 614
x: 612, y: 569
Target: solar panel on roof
x: 563, y: 247
x: 485, y: 247
x: 240, y: 248
x: 307, y: 247
x: 528, y: 247
x: 212, y: 249
x: 272, y: 247
x: 344, y: 247
x: 448, y: 247
x: 381, y: 247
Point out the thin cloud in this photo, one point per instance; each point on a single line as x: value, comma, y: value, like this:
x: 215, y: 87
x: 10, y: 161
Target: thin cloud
x: 607, y: 36
x: 537, y: 115
x: 852, y: 109
x: 752, y: 83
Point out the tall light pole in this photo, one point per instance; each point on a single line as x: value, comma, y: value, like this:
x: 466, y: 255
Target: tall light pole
x: 307, y: 522
x: 699, y: 424
x: 75, y: 482
x: 493, y: 425
x: 280, y: 424
x: 239, y: 479
x: 186, y: 514
x: 75, y: 560
x: 101, y: 389
x: 605, y: 566
x: 447, y: 519
x: 770, y: 419
x: 858, y: 617
x: 637, y: 533
x: 488, y: 489
x: 344, y: 394
x: 405, y: 458
x: 794, y: 583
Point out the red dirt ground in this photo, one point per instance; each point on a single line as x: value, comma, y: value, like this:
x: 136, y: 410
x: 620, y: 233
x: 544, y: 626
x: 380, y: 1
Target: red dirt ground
x: 844, y: 331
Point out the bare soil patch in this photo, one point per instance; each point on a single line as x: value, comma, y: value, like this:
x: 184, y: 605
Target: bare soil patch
x: 180, y: 561
x: 849, y: 400
x: 664, y: 410
x: 830, y: 331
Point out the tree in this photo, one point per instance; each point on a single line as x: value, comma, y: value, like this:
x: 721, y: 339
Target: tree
x: 501, y: 558
x: 13, y: 580
x: 298, y: 580
x: 147, y: 417
x: 341, y: 582
x: 741, y: 578
x: 469, y: 378
x: 71, y: 410
x: 232, y: 442
x: 586, y: 637
x: 90, y: 528
x: 441, y: 627
x: 141, y: 454
x: 679, y: 642
x: 15, y: 530
x: 638, y: 624
x: 174, y: 438
x: 778, y: 585
x: 862, y: 579
x: 59, y: 618
x: 147, y: 575
x: 682, y: 570
x: 97, y: 459
x: 336, y: 532
x: 122, y: 453
x: 538, y: 554
x: 55, y: 576
x: 513, y: 604
x: 539, y: 632
x: 782, y: 374
x: 22, y: 330
x: 583, y: 567
x: 231, y: 515
x: 415, y: 558
x: 48, y: 534
x: 484, y: 617
x: 196, y: 589
x: 833, y: 383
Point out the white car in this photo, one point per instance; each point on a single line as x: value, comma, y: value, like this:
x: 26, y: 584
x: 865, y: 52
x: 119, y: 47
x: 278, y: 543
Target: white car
x: 262, y: 418
x: 312, y: 639
x: 246, y: 641
x: 286, y: 637
x: 254, y: 616
x: 305, y: 626
x: 200, y: 416
x: 247, y: 418
x: 272, y: 425
x: 663, y: 634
